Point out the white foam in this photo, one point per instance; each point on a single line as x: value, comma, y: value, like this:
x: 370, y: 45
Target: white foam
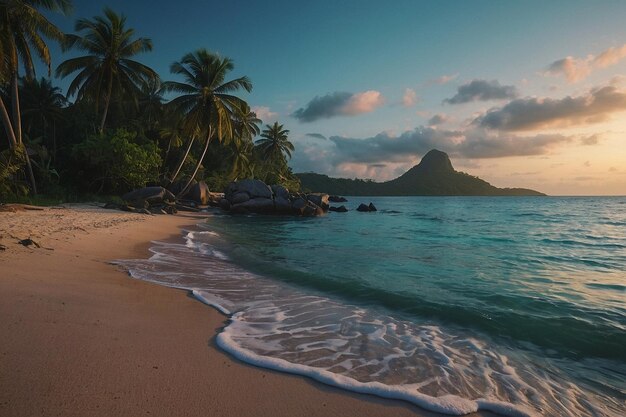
x: 447, y: 404
x: 440, y: 369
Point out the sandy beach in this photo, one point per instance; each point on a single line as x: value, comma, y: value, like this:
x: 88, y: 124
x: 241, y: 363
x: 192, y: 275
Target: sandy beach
x: 81, y: 338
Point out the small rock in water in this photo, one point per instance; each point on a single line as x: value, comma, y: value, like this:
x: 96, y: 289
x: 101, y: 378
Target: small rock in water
x: 366, y: 208
x: 340, y: 209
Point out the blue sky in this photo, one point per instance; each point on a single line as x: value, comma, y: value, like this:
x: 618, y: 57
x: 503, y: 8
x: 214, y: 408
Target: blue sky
x: 382, y: 72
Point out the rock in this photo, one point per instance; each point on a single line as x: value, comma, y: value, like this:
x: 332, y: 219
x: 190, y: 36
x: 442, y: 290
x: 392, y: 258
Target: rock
x: 256, y: 205
x: 240, y: 197
x: 254, y: 188
x: 298, y: 203
x: 280, y: 192
x: 150, y: 195
x: 224, y: 204
x: 215, y: 198
x: 337, y: 199
x: 366, y: 208
x: 320, y: 200
x: 282, y: 205
x: 199, y: 193
x: 340, y: 209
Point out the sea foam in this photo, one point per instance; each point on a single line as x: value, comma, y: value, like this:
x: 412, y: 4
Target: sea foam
x: 363, y: 349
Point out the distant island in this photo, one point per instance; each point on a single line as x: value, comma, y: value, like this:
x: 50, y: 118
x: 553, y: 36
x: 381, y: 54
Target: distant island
x: 434, y: 175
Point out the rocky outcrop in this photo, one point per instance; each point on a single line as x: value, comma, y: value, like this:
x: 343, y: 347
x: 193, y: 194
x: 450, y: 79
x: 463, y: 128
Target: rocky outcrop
x: 337, y: 199
x: 254, y: 196
x: 366, y: 208
x: 148, y: 200
x: 340, y: 209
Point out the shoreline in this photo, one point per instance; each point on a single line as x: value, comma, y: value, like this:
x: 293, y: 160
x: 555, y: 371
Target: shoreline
x: 83, y: 338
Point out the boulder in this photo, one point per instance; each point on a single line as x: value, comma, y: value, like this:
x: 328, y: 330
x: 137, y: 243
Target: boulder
x: 337, y: 199
x: 298, y: 203
x: 280, y: 192
x: 320, y: 200
x: 340, y: 209
x: 224, y: 204
x: 198, y: 193
x: 148, y: 195
x: 240, y: 197
x: 215, y: 198
x: 254, y: 188
x: 366, y: 208
x: 282, y: 205
x: 256, y: 205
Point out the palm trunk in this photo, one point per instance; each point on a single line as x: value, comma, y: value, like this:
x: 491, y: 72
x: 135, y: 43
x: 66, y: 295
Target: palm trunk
x: 195, y: 171
x: 17, y: 117
x: 182, y: 161
x: 17, y: 126
x: 8, y: 126
x: 54, y: 140
x: 107, y: 100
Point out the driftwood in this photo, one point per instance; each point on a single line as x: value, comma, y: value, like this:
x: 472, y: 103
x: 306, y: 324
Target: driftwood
x: 18, y: 207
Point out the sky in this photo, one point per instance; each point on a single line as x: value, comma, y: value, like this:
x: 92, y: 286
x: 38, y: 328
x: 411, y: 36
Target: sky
x: 522, y: 94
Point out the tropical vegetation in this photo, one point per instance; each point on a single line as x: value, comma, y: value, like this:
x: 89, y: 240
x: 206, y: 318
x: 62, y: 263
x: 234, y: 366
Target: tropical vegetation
x: 119, y: 125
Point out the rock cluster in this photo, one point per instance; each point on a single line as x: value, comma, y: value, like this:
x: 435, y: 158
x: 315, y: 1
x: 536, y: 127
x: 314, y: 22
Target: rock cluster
x: 148, y: 200
x: 254, y: 196
x: 365, y: 208
x: 337, y: 199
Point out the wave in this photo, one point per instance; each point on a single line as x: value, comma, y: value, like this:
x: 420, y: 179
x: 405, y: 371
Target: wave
x: 366, y: 349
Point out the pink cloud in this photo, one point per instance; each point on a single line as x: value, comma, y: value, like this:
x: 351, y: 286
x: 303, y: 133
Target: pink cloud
x: 364, y: 102
x: 264, y: 113
x: 577, y: 69
x: 409, y: 98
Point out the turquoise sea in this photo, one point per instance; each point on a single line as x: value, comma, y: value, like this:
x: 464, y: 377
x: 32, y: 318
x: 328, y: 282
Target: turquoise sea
x: 457, y: 304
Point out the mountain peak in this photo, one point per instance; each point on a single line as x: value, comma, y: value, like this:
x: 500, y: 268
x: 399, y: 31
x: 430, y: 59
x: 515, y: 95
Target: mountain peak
x: 435, y: 161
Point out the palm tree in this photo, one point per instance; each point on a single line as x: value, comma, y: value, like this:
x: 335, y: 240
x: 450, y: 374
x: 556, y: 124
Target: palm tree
x: 42, y: 103
x: 247, y: 125
x: 108, y: 65
x: 206, y: 100
x: 22, y: 28
x: 274, y: 142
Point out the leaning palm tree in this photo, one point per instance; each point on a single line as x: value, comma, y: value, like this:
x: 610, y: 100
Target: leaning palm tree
x: 206, y: 100
x: 274, y: 142
x: 22, y: 27
x: 108, y: 65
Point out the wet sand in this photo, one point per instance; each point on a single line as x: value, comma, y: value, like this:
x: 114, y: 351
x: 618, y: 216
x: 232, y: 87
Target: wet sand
x: 79, y: 337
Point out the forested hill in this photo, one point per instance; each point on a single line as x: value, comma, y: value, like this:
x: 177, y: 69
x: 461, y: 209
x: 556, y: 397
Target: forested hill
x: 434, y: 175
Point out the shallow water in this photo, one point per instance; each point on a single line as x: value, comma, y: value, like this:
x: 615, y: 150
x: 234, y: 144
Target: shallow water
x: 513, y: 304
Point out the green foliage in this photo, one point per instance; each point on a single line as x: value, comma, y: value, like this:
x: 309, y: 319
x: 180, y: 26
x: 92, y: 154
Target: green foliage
x: 11, y: 162
x: 114, y: 162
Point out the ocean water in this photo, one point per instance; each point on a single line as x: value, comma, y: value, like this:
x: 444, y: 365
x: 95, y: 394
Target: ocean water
x: 456, y: 304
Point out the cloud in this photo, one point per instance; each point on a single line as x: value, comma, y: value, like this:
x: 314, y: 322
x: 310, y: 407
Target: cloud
x: 339, y: 104
x: 533, y: 113
x: 409, y: 98
x: 316, y: 135
x: 475, y: 143
x: 445, y: 79
x: 590, y: 140
x: 385, y: 156
x: 438, y: 119
x: 264, y: 113
x: 572, y: 68
x: 577, y: 69
x: 482, y: 90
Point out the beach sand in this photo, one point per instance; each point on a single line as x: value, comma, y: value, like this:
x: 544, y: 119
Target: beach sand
x: 79, y: 337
